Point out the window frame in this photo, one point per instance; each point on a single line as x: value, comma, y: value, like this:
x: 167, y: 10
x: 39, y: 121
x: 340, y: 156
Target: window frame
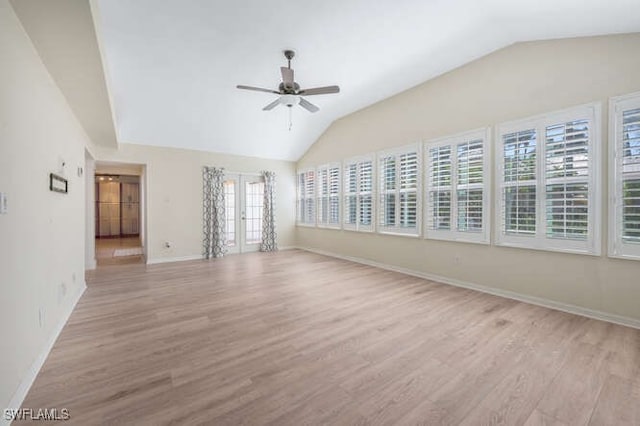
x: 453, y: 234
x: 617, y: 248
x: 304, y: 197
x: 396, y: 153
x: 320, y: 195
x: 539, y: 240
x: 357, y: 161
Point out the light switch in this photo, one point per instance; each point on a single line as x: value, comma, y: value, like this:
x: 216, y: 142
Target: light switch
x: 3, y: 203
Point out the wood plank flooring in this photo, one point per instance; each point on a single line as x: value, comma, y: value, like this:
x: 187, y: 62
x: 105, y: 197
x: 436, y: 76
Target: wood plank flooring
x: 295, y: 338
x: 106, y: 251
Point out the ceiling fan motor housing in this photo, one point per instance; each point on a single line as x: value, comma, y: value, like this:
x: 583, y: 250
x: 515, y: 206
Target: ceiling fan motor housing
x: 285, y: 89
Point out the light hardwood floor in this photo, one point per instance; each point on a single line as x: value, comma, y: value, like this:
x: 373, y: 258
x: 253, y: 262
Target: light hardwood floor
x: 295, y: 338
x: 106, y: 249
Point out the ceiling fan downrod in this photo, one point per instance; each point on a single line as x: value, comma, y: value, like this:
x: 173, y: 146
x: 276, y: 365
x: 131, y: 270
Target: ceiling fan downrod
x: 289, y: 54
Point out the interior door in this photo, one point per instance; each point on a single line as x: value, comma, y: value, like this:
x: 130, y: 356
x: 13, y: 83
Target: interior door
x: 244, y: 196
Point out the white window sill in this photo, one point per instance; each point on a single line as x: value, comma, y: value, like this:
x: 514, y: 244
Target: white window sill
x: 455, y: 239
x: 567, y: 250
x: 399, y: 234
x: 306, y: 225
x: 365, y: 231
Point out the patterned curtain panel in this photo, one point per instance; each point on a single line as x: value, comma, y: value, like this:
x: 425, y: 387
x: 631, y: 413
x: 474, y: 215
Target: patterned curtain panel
x: 268, y: 219
x: 215, y: 238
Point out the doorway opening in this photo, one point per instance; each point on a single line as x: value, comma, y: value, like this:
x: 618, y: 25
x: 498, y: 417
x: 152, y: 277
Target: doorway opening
x: 244, y: 200
x: 119, y: 225
x: 118, y: 219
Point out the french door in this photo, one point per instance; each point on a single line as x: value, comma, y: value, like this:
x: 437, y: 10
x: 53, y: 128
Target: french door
x: 244, y: 198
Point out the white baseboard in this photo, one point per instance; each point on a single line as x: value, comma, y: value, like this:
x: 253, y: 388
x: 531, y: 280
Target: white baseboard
x: 91, y: 265
x: 173, y: 259
x: 18, y: 396
x: 564, y: 307
x: 196, y: 257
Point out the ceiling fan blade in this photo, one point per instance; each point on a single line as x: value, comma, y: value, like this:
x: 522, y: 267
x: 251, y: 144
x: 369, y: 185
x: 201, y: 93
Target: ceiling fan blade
x: 257, y: 89
x: 272, y: 105
x: 287, y: 76
x: 308, y: 105
x: 319, y: 91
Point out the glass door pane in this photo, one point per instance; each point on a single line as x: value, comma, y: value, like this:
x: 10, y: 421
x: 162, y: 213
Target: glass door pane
x: 230, y: 210
x: 254, y: 198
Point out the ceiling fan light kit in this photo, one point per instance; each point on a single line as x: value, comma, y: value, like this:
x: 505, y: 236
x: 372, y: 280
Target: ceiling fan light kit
x: 289, y: 91
x: 289, y: 100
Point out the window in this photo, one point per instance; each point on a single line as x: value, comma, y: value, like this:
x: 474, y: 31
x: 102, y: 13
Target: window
x: 624, y: 207
x: 358, y: 194
x: 457, y: 188
x: 329, y: 196
x: 306, y: 211
x: 548, y: 181
x: 398, y: 186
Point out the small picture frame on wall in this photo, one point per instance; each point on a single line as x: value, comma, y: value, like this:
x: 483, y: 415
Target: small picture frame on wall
x: 58, y: 183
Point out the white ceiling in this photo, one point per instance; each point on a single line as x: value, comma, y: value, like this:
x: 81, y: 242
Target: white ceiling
x: 172, y: 66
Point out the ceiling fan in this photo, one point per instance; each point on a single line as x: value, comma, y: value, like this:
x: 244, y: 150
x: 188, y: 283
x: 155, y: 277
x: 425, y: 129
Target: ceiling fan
x: 289, y: 91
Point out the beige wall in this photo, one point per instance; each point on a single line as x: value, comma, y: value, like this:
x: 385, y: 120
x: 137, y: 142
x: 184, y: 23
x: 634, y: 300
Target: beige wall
x: 174, y: 194
x: 516, y: 82
x: 42, y: 236
x: 63, y: 34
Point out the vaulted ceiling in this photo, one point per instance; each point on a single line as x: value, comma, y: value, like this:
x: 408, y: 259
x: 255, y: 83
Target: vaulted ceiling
x: 172, y: 66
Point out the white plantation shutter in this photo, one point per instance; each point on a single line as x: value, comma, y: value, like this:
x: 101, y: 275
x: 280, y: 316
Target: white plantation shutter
x: 306, y: 206
x: 567, y: 180
x: 457, y: 191
x: 470, y: 185
x: 309, y: 193
x: 631, y: 176
x: 334, y: 196
x: 365, y: 195
x: 625, y: 177
x: 398, y: 198
x: 350, y: 195
x: 323, y: 196
x: 408, y: 190
x: 300, y: 198
x: 440, y: 184
x: 549, y: 182
x: 328, y: 199
x: 358, y: 194
x: 519, y: 182
x: 387, y: 210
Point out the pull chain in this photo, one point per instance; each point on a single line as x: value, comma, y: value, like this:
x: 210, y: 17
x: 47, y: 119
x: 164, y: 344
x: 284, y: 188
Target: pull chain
x: 290, y: 120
